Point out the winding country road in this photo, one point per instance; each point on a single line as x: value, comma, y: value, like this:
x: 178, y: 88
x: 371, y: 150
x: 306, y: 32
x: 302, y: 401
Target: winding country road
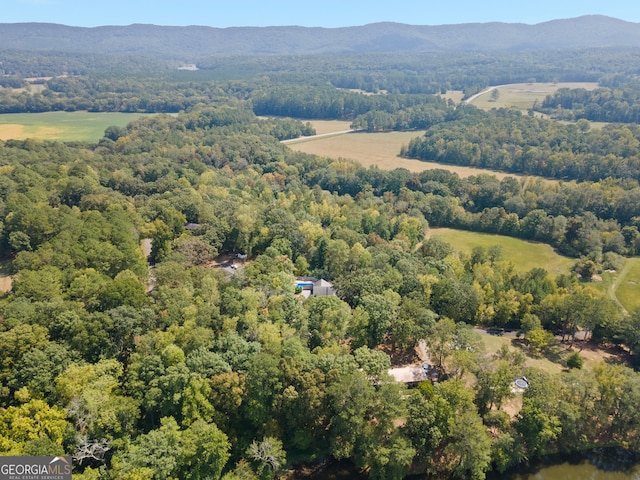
x: 486, y: 90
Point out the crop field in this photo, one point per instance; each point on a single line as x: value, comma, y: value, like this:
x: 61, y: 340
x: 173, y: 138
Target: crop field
x: 525, y: 255
x: 63, y: 126
x: 522, y: 95
x: 379, y: 149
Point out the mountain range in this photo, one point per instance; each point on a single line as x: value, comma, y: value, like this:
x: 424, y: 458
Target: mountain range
x: 191, y: 43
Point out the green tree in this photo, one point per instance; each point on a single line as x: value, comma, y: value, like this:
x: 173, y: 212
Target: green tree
x: 469, y: 448
x: 22, y: 426
x: 204, y: 451
x: 440, y: 341
x: 381, y: 311
x: 42, y: 285
x: 123, y: 290
x: 198, y: 452
x: 575, y: 360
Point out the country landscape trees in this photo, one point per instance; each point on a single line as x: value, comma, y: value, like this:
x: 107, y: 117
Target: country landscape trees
x: 170, y: 366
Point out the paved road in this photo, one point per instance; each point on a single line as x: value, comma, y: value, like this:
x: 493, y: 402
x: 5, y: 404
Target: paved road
x: 314, y: 137
x: 486, y: 90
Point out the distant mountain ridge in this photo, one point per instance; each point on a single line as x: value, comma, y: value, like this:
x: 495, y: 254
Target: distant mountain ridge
x: 195, y: 42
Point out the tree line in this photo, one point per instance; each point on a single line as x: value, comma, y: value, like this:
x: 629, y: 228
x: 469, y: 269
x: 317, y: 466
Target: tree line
x: 507, y: 140
x: 605, y: 104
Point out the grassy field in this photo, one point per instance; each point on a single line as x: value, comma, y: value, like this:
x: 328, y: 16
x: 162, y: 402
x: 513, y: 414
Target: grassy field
x: 525, y: 255
x: 552, y: 363
x: 455, y: 95
x: 380, y: 149
x: 622, y: 286
x: 626, y: 286
x: 522, y: 95
x: 63, y: 126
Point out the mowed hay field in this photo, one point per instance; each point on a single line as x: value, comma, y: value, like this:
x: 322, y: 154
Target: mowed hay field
x: 524, y: 255
x: 523, y: 95
x: 627, y: 284
x: 62, y: 126
x: 369, y: 149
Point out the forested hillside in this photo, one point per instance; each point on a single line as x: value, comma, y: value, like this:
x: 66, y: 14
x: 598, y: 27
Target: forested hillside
x: 195, y: 42
x: 204, y: 360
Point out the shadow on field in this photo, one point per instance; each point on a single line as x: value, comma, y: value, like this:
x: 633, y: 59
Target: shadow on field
x: 554, y: 354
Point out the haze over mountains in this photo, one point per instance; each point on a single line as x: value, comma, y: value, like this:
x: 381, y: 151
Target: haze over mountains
x: 195, y: 42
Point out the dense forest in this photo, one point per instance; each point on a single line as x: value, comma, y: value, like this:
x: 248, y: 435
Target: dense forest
x: 606, y: 104
x: 172, y: 366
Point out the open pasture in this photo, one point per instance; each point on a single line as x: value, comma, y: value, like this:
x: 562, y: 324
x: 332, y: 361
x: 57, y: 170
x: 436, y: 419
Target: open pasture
x: 62, y: 126
x: 522, y: 95
x: 525, y: 255
x: 323, y: 127
x: 379, y: 149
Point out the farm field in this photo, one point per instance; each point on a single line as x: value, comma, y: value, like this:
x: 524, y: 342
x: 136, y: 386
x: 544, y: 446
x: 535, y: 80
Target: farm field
x: 379, y: 149
x: 62, y: 126
x: 525, y: 255
x: 522, y: 95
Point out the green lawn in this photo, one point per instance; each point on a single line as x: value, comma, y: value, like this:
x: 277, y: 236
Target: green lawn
x: 493, y: 343
x: 525, y: 255
x: 63, y: 126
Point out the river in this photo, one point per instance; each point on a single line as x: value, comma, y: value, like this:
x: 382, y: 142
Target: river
x: 601, y: 464
x: 598, y: 464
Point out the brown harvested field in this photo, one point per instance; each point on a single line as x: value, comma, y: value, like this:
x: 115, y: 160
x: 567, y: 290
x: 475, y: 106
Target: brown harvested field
x: 6, y: 283
x: 328, y: 126
x: 20, y: 132
x: 11, y: 130
x: 380, y: 149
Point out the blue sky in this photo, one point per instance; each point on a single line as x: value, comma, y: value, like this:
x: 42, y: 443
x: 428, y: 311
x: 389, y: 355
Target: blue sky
x: 325, y: 13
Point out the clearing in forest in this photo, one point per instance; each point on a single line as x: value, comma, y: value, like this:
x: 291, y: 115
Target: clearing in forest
x: 524, y: 254
x: 6, y: 280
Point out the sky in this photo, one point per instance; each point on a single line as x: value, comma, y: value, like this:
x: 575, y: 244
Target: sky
x: 325, y: 13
